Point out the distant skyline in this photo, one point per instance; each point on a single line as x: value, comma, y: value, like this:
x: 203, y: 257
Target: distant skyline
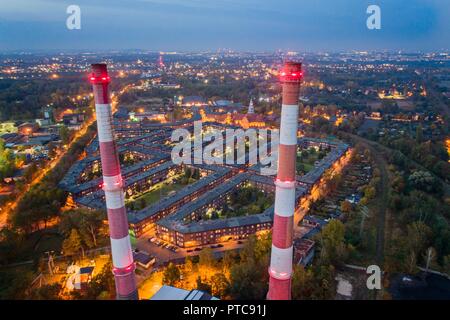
x: 241, y: 25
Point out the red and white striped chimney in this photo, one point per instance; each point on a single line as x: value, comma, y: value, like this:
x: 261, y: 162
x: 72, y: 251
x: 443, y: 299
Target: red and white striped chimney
x: 122, y: 256
x: 280, y: 270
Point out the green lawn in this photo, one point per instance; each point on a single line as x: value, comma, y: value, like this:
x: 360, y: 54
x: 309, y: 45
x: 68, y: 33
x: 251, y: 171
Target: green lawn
x: 304, y: 167
x: 158, y: 192
x: 306, y: 159
x: 245, y: 201
x: 305, y: 164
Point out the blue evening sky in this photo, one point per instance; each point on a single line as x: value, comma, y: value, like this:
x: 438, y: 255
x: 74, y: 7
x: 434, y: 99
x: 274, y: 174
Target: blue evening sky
x: 256, y: 25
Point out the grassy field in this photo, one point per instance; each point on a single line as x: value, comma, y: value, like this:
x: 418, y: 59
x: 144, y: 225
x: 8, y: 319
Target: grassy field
x: 243, y: 202
x: 306, y: 163
x: 158, y: 192
x: 304, y: 167
x: 306, y: 159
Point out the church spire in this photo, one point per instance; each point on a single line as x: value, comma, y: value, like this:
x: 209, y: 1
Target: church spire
x: 251, y: 109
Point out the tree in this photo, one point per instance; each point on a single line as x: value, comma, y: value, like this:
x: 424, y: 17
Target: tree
x: 64, y: 133
x: 177, y: 113
x: 313, y: 283
x: 398, y: 183
x: 369, y: 192
x: 141, y: 203
x: 90, y: 225
x: 249, y: 280
x: 203, y: 286
x: 189, y: 266
x: 332, y: 247
x: 29, y: 171
x: 52, y: 147
x: 171, y: 275
x: 196, y: 174
x: 87, y: 222
x: 249, y: 277
x: 430, y: 258
x: 418, y: 235
x: 423, y: 180
x: 72, y: 245
x: 397, y: 255
x: 446, y: 264
x: 187, y: 173
x: 7, y: 161
x: 219, y: 285
x: 419, y: 133
x: 302, y: 283
x: 102, y: 286
x: 325, y: 288
x: 10, y: 244
x: 46, y: 292
x: 407, y: 248
x: 206, y: 258
x: 228, y: 260
x: 442, y: 169
x: 41, y: 203
x: 346, y: 206
x: 14, y: 284
x: 262, y: 247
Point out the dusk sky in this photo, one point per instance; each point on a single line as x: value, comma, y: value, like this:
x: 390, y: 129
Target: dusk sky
x: 259, y: 25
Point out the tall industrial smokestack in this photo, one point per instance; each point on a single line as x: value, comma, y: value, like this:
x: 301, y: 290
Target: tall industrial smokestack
x: 280, y: 270
x: 123, y: 264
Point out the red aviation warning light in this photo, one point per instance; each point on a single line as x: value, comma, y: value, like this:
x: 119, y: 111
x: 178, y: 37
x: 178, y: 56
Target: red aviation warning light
x: 292, y: 72
x: 99, y: 74
x: 125, y: 270
x: 102, y: 79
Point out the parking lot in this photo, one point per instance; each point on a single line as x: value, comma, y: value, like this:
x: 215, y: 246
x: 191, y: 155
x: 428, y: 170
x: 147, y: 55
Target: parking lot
x: 164, y: 252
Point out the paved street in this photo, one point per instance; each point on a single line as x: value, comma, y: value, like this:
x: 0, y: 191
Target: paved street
x: 164, y: 255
